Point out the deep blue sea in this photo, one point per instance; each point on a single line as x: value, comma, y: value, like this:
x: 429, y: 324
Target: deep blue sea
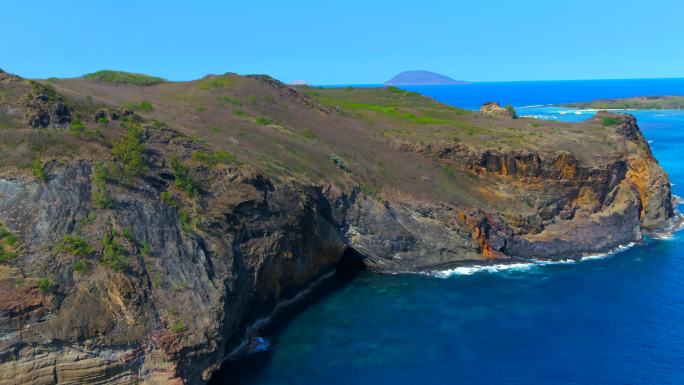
x: 617, y: 319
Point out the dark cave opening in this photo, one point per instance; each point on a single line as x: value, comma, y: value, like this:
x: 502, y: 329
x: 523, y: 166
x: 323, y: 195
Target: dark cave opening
x: 349, y: 266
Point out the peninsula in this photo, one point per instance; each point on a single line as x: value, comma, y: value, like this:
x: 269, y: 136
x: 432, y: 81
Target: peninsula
x: 149, y: 228
x: 633, y: 103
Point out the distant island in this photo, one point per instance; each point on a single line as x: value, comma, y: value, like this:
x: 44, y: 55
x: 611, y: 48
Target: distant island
x: 633, y: 103
x: 418, y: 78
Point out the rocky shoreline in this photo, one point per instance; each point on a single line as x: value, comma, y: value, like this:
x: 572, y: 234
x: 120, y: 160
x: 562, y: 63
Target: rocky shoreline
x: 152, y: 258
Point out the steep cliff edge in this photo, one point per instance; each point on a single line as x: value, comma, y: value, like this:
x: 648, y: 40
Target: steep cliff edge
x: 148, y: 231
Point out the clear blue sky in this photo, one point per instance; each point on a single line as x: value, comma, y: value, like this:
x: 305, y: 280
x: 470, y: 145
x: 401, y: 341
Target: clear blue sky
x: 346, y: 42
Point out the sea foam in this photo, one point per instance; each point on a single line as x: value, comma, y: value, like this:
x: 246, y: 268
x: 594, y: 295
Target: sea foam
x: 523, y: 266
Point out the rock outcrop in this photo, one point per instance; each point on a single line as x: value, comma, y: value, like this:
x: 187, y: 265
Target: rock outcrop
x: 494, y: 109
x: 45, y: 108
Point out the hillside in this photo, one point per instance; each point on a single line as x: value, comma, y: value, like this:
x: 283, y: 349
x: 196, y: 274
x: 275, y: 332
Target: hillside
x: 633, y: 103
x: 417, y: 78
x: 149, y: 228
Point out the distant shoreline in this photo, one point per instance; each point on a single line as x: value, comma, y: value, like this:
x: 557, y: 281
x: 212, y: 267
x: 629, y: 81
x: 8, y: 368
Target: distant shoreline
x: 632, y: 103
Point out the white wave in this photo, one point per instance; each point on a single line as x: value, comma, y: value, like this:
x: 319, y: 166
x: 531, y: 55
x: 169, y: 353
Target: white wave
x: 523, y: 266
x: 544, y: 262
x: 470, y: 270
x: 607, y: 254
x: 544, y: 117
x: 534, y: 106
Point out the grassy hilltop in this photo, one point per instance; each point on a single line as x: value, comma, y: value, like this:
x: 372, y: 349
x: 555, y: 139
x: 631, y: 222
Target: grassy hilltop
x: 342, y: 135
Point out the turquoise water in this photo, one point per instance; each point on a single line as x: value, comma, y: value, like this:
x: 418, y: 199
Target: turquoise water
x: 612, y: 320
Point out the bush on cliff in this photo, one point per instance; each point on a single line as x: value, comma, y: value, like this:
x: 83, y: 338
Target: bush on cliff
x: 120, y: 77
x: 129, y: 150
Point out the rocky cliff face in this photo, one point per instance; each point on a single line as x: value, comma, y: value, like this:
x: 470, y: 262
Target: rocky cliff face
x: 159, y: 261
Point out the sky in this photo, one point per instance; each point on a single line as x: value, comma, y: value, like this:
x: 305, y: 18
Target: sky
x: 346, y: 42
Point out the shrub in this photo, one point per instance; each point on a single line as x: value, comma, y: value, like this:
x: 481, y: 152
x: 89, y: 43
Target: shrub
x: 142, y: 106
x: 129, y: 150
x: 185, y: 221
x: 178, y: 327
x: 213, y: 158
x: 44, y: 285
x: 102, y: 120
x: 512, y: 111
x: 120, y: 77
x: 99, y: 193
x: 113, y: 253
x: 263, y: 121
x: 39, y: 171
x: 168, y: 199
x: 6, y: 239
x: 156, y: 281
x: 611, y: 121
x: 183, y: 181
x: 75, y: 246
x: 77, y: 127
x: 180, y: 286
x: 215, y: 82
x: 341, y: 163
x: 81, y: 266
x: 145, y: 251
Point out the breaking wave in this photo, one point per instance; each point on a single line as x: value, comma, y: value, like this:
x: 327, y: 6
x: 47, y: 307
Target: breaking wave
x: 523, y: 266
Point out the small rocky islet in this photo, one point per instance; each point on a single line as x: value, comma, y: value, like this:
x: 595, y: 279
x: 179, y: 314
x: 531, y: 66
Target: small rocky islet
x: 148, y: 228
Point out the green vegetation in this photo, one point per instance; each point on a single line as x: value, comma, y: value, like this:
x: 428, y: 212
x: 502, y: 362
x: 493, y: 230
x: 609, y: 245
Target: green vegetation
x: 186, y: 222
x: 77, y: 127
x: 7, y: 241
x: 128, y: 234
x: 99, y: 192
x: 215, y: 82
x: 168, y: 199
x: 181, y: 173
x: 156, y: 280
x: 81, y: 266
x: 395, y: 112
x: 129, y: 150
x: 145, y: 251
x: 180, y: 286
x: 39, y: 171
x: 340, y: 162
x: 142, y: 106
x: 448, y: 171
x: 212, y: 158
x: 512, y: 111
x: 610, y: 121
x: 120, y: 77
x: 44, y: 285
x: 113, y: 252
x: 75, y: 245
x: 178, y: 327
x: 634, y: 103
x: 263, y: 121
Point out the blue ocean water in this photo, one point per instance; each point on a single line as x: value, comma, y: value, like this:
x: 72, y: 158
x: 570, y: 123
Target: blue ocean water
x: 612, y: 320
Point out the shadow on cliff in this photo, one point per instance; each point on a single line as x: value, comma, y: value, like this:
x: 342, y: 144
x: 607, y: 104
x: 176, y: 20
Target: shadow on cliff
x: 244, y: 369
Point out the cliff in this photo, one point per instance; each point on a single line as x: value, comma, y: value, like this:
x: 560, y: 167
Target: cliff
x: 148, y: 230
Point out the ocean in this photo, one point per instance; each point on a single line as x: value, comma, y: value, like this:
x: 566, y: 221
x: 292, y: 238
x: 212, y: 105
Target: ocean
x: 612, y: 319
